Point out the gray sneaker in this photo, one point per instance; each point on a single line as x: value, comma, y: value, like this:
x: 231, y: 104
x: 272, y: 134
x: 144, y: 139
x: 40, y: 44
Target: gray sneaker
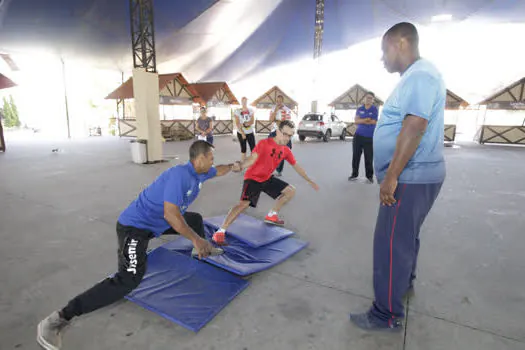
x: 49, y: 331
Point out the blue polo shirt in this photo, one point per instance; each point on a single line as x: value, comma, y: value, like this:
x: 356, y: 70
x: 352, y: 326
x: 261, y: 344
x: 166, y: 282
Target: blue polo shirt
x: 366, y: 130
x: 421, y: 92
x: 179, y: 185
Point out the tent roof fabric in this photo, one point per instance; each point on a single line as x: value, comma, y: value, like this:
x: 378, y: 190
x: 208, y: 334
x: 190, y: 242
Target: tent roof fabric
x: 511, y: 97
x: 5, y: 82
x: 206, y: 91
x: 354, y: 97
x: 125, y: 91
x: 223, y: 40
x: 454, y: 101
x: 270, y: 98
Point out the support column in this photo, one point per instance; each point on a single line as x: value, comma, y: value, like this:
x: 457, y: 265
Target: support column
x: 146, y: 93
x: 318, y: 45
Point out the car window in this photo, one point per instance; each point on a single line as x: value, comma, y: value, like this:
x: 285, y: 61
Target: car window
x: 312, y: 118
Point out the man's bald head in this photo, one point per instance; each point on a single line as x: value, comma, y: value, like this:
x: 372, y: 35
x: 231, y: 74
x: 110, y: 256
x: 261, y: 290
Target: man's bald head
x: 405, y: 31
x: 400, y: 47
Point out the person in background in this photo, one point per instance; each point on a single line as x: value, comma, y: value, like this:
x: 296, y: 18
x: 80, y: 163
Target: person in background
x: 409, y: 165
x: 204, y: 126
x: 279, y: 113
x: 2, y: 140
x: 244, y: 119
x: 365, y: 119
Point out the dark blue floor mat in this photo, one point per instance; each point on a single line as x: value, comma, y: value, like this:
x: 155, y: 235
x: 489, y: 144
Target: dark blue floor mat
x: 240, y: 258
x: 254, y: 232
x: 184, y: 290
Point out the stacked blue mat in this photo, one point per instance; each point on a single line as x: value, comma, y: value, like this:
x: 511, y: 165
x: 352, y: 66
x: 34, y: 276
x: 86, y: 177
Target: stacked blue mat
x: 190, y: 292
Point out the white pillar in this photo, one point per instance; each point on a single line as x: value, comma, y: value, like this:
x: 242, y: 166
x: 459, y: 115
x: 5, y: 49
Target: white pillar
x: 315, y: 85
x: 146, y: 95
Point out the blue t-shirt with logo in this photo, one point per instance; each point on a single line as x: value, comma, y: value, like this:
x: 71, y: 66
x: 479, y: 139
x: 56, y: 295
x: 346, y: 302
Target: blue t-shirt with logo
x: 179, y: 185
x: 366, y: 130
x: 420, y: 92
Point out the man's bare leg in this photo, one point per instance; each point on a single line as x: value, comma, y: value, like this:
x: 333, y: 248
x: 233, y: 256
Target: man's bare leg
x: 287, y: 194
x: 273, y: 217
x: 234, y: 212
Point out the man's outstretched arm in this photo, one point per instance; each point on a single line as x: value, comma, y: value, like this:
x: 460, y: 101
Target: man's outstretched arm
x: 224, y: 169
x: 248, y: 162
x: 302, y: 172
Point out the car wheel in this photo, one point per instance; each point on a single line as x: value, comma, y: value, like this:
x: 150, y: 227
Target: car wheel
x: 302, y: 137
x: 343, y: 135
x: 327, y: 136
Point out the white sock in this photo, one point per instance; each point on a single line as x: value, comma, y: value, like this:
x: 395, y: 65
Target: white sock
x: 272, y: 213
x: 221, y: 230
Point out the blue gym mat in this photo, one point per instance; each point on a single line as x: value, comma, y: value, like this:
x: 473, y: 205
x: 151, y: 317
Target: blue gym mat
x: 255, y: 233
x: 184, y: 290
x: 240, y: 258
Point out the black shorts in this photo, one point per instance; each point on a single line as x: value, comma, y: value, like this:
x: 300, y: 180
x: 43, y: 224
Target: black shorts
x: 252, y: 189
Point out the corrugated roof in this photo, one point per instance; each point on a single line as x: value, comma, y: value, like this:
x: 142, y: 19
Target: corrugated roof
x: 5, y: 82
x: 272, y: 96
x: 125, y: 91
x: 356, y: 96
x: 454, y: 101
x: 206, y: 91
x: 510, y: 97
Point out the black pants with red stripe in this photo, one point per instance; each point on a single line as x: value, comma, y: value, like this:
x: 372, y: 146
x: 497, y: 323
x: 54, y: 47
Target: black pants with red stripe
x: 396, y: 246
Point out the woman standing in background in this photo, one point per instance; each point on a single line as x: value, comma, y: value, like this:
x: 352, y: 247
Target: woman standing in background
x: 245, y: 121
x: 204, y: 126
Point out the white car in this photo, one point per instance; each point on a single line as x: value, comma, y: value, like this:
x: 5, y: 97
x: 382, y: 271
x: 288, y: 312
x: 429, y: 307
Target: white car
x: 322, y: 126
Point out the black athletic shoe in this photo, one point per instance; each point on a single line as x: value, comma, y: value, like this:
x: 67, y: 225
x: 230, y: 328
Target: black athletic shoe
x: 367, y: 322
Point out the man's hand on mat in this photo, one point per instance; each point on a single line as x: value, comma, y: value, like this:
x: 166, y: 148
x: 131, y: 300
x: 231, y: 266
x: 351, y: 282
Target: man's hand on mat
x: 203, y: 247
x: 386, y: 191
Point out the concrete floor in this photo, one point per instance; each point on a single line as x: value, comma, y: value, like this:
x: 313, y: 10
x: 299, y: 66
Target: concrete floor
x: 57, y: 227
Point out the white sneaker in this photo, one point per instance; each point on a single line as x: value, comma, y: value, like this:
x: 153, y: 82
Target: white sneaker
x: 49, y: 331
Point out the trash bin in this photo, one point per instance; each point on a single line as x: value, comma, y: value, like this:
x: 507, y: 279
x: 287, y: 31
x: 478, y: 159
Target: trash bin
x: 139, y: 151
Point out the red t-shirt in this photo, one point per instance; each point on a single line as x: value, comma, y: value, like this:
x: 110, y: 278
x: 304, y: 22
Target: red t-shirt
x: 269, y: 155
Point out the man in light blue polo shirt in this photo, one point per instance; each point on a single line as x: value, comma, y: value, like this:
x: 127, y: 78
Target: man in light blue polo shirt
x: 409, y: 165
x: 159, y: 209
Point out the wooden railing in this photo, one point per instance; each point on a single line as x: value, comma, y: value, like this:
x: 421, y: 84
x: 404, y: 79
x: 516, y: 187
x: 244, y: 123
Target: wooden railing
x: 184, y: 129
x: 180, y: 129
x: 513, y: 135
x: 263, y: 126
x: 450, y: 133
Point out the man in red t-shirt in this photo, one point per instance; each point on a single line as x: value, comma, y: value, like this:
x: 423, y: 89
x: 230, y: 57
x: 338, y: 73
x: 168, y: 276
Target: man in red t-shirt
x: 263, y: 161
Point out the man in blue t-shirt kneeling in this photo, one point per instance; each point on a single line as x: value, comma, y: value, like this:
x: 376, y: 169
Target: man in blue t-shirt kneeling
x: 365, y: 119
x: 159, y: 209
x: 409, y: 165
